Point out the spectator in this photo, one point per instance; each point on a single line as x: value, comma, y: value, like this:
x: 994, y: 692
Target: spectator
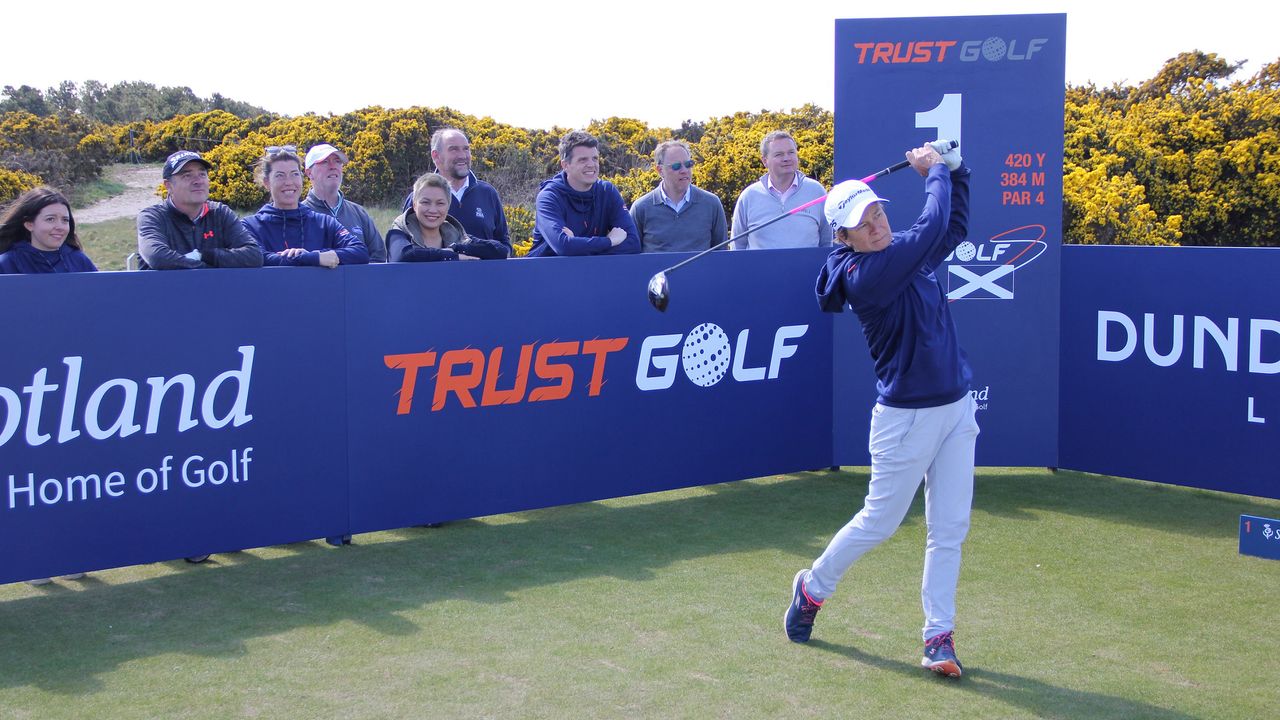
x: 677, y: 216
x: 577, y: 213
x: 474, y: 203
x: 290, y: 233
x: 38, y: 235
x: 188, y: 230
x: 428, y: 233
x: 324, y: 166
x: 783, y: 187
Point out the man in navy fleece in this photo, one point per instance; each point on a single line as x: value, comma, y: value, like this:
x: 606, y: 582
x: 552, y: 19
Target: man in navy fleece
x: 922, y: 426
x: 474, y: 203
x: 577, y: 212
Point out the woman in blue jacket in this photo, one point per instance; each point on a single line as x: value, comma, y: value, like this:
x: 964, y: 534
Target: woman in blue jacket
x: 38, y: 235
x: 426, y: 232
x: 289, y: 232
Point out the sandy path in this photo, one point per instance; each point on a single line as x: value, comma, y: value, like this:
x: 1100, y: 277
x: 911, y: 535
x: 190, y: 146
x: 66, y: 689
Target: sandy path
x: 140, y: 182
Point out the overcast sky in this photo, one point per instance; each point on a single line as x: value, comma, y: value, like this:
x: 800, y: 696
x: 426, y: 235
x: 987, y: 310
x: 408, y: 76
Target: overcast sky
x: 539, y: 64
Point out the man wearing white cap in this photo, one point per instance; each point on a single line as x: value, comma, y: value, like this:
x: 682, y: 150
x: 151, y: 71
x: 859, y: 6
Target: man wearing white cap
x: 922, y: 426
x: 324, y: 165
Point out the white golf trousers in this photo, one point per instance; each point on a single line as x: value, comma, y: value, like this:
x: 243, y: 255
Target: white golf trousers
x: 934, y: 444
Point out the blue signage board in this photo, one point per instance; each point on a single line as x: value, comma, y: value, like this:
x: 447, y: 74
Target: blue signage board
x: 996, y: 85
x: 1171, y: 365
x: 498, y: 387
x: 152, y: 416
x: 1260, y: 537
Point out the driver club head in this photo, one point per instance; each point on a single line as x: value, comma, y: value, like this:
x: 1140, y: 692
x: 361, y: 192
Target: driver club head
x: 659, y: 294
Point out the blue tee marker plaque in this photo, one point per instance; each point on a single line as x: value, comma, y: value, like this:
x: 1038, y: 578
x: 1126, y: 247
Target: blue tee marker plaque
x: 1260, y: 536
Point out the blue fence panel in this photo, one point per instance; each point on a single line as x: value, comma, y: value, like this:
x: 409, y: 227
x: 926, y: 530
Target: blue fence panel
x: 151, y: 416
x: 1169, y: 365
x: 491, y: 387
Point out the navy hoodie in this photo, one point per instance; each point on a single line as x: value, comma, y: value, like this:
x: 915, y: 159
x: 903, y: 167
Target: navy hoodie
x: 589, y: 214
x: 904, y: 310
x: 277, y: 230
x: 24, y: 258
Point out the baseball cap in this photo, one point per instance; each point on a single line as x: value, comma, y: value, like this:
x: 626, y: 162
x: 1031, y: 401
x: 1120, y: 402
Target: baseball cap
x: 320, y: 152
x: 178, y: 160
x: 847, y: 202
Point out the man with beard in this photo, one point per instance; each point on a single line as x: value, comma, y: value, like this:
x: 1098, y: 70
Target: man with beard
x: 475, y: 203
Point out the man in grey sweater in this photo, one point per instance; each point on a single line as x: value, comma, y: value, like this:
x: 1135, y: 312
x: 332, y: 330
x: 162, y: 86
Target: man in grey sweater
x: 782, y: 189
x: 324, y: 166
x: 677, y: 216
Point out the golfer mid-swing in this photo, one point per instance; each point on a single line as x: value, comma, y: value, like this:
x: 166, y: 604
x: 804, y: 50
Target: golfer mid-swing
x: 922, y: 426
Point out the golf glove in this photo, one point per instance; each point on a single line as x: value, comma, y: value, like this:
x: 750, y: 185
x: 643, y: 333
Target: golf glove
x: 950, y: 156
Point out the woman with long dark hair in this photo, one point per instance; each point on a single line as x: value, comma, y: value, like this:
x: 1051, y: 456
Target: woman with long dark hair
x: 38, y: 235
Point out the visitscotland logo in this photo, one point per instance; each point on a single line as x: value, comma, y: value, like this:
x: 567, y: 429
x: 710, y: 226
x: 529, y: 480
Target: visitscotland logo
x: 55, y: 405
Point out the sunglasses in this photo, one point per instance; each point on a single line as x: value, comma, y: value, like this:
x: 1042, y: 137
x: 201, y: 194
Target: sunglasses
x: 291, y: 149
x: 677, y: 165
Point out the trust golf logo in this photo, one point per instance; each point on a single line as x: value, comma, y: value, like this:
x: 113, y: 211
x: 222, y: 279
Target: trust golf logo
x: 536, y: 372
x: 707, y: 356
x: 992, y: 49
x: 986, y: 270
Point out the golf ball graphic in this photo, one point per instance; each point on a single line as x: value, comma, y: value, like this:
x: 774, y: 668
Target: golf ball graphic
x: 993, y: 48
x: 705, y: 356
x: 965, y: 251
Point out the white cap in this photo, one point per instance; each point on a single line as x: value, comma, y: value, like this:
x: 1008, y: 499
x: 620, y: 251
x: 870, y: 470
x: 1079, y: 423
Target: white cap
x: 320, y: 152
x: 847, y: 202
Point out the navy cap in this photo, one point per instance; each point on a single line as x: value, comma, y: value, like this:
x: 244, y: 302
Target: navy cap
x: 178, y: 160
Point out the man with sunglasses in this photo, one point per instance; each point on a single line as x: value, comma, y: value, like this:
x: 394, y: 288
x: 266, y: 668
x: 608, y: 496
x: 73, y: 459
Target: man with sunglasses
x: 781, y: 189
x: 189, y: 231
x: 677, y: 216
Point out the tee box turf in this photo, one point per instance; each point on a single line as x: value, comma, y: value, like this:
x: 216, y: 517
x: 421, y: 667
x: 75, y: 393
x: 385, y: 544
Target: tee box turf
x: 1260, y: 536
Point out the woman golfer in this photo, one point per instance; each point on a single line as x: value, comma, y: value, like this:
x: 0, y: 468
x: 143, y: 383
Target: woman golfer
x: 922, y: 426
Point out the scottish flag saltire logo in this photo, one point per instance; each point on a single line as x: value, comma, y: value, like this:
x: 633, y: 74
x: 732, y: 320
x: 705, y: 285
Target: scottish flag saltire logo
x: 987, y: 270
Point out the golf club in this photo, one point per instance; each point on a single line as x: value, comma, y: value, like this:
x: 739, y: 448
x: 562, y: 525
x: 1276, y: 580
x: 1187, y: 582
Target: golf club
x: 660, y: 290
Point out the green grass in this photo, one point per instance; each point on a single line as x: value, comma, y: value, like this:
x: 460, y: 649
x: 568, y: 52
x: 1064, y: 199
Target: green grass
x: 108, y: 243
x: 1081, y: 597
x: 90, y: 193
x: 383, y: 215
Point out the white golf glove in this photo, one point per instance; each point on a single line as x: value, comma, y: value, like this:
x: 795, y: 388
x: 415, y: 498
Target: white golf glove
x: 950, y: 155
x: 193, y: 255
